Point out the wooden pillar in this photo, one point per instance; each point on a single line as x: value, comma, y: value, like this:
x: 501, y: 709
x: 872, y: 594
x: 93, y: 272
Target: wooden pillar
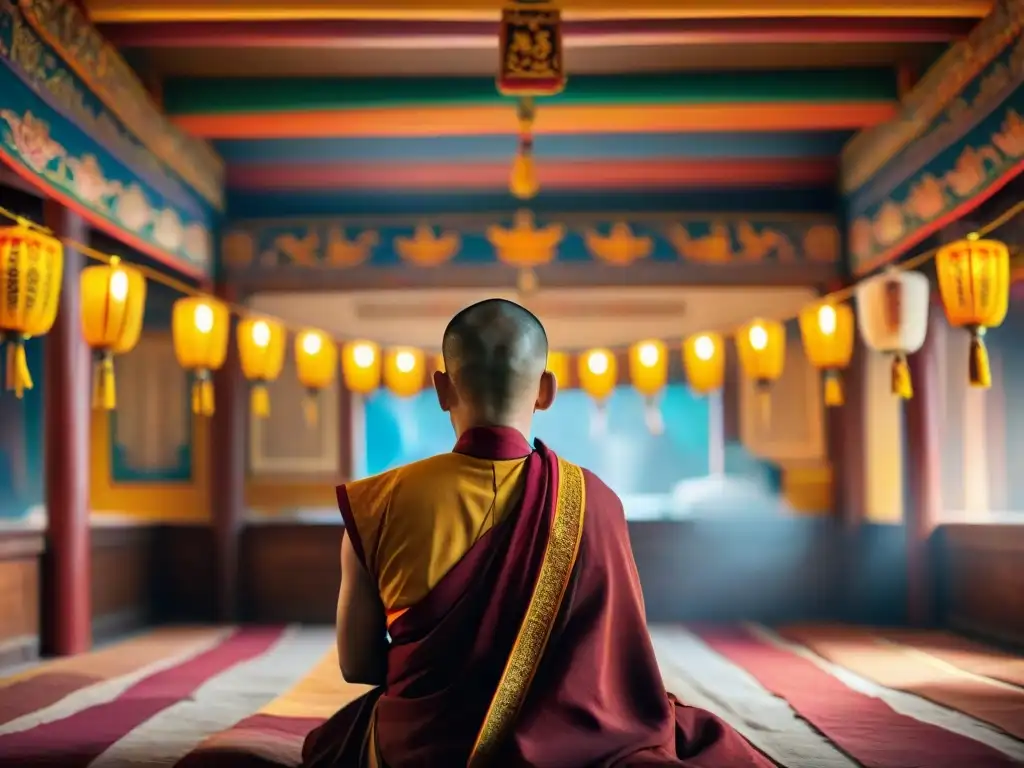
x: 66, y: 418
x: 923, y: 470
x: 227, y: 473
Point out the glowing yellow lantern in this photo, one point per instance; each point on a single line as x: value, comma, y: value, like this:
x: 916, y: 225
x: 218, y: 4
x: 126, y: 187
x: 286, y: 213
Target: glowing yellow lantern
x: 316, y: 364
x: 261, y: 343
x: 360, y: 366
x: 403, y: 371
x: 558, y: 365
x: 974, y: 281
x: 200, y: 326
x: 31, y: 267
x: 827, y: 331
x: 892, y: 314
x: 113, y: 304
x: 648, y: 370
x: 598, y: 375
x: 704, y: 361
x: 762, y: 349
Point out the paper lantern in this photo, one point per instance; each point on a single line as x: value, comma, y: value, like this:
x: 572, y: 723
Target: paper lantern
x: 113, y: 305
x: 261, y: 343
x: 360, y: 366
x: 827, y: 331
x: 762, y: 350
x: 31, y: 267
x: 704, y: 361
x: 974, y: 282
x: 558, y: 366
x: 316, y: 364
x: 200, y: 327
x: 403, y: 371
x: 892, y: 314
x: 598, y: 375
x: 648, y: 370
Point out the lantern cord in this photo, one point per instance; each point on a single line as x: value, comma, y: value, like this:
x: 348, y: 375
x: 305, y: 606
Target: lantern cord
x: 833, y: 389
x: 902, y: 386
x: 838, y: 296
x: 104, y: 389
x: 980, y: 368
x: 259, y: 400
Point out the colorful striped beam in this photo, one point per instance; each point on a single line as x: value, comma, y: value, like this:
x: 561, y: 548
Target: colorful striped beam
x: 565, y: 120
x: 356, y: 33
x: 651, y: 174
x: 218, y: 96
x: 485, y: 149
x: 272, y: 10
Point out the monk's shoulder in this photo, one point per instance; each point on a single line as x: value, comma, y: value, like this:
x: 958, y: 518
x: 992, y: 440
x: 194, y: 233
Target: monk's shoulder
x: 425, y: 474
x: 369, y: 495
x: 601, y: 500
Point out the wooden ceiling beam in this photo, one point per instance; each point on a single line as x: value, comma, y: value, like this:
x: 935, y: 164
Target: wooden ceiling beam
x: 121, y: 11
x: 578, y: 34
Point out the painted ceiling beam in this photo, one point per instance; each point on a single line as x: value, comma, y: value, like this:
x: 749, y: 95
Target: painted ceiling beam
x: 578, y: 34
x: 654, y: 174
x: 399, y: 122
x: 104, y: 11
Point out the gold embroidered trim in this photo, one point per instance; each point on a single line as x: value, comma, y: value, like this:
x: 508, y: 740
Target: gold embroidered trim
x: 555, y: 572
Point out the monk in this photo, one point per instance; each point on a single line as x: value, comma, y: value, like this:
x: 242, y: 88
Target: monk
x: 491, y: 595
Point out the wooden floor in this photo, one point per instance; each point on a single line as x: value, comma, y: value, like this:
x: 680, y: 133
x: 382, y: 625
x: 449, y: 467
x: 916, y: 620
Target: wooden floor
x: 814, y: 696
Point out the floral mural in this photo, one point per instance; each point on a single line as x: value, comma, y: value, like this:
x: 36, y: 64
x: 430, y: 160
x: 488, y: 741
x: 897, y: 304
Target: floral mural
x: 954, y: 145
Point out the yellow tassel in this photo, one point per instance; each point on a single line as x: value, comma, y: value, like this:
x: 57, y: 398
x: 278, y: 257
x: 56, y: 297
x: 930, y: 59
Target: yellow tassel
x: 523, y: 182
x: 901, y: 384
x: 833, y: 389
x: 197, y: 400
x: 259, y: 401
x: 311, y: 409
x: 22, y: 376
x: 206, y: 396
x: 764, y: 403
x: 980, y: 369
x: 104, y: 390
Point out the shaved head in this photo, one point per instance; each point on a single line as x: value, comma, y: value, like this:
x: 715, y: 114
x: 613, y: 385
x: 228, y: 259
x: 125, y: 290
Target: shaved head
x: 495, y: 353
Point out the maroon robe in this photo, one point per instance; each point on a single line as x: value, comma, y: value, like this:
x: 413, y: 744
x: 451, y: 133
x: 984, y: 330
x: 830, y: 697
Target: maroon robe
x: 597, y: 698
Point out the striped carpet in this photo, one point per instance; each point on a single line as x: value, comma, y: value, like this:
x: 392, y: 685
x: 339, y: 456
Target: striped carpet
x: 808, y: 696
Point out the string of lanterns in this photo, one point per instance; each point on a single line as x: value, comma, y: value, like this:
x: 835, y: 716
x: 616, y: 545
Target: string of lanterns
x: 892, y: 316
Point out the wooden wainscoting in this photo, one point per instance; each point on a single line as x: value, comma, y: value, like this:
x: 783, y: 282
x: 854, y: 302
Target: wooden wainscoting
x: 981, y: 571
x: 121, y: 575
x: 20, y: 556
x: 291, y: 572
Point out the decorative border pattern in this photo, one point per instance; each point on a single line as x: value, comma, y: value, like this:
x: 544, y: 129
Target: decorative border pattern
x: 729, y: 241
x: 937, y: 97
x: 56, y: 155
x: 63, y: 26
x: 552, y: 581
x: 956, y: 181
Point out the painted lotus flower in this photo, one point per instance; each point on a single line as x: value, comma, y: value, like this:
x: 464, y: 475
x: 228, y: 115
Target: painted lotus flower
x: 132, y: 208
x: 1010, y: 139
x: 197, y: 243
x: 30, y: 137
x: 167, y: 230
x: 927, y: 199
x: 90, y: 183
x: 889, y: 224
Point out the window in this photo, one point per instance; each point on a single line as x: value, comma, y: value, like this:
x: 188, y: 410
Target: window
x: 983, y: 430
x: 644, y: 469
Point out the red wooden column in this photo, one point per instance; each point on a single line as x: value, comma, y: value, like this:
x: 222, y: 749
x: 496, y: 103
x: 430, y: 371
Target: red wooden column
x: 227, y: 473
x: 68, y: 572
x: 923, y: 469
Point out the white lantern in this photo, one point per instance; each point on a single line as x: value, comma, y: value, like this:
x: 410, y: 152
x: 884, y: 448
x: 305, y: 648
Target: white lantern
x: 892, y: 313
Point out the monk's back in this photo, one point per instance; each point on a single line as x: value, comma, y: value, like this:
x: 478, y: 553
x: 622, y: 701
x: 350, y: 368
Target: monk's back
x: 417, y: 521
